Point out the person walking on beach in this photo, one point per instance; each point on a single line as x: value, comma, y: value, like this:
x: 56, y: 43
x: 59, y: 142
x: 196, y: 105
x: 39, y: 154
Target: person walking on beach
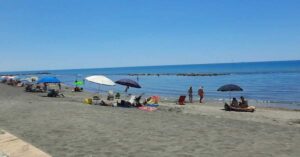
x: 190, y: 92
x: 201, y: 94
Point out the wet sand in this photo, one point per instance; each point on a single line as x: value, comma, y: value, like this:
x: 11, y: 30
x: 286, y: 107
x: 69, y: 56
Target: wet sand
x: 67, y: 127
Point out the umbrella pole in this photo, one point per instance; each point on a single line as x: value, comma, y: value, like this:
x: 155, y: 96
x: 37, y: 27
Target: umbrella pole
x: 99, y: 89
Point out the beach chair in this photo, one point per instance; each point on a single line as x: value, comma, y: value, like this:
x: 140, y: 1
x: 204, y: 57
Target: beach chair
x: 96, y: 100
x: 138, y: 99
x: 132, y: 99
x: 181, y: 100
x: 110, y: 95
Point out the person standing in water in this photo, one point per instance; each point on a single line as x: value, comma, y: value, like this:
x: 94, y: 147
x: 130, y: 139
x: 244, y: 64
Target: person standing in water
x: 190, y: 92
x: 201, y: 94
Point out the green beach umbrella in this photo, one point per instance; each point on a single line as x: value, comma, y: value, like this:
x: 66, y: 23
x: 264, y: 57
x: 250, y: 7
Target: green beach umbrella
x: 78, y: 83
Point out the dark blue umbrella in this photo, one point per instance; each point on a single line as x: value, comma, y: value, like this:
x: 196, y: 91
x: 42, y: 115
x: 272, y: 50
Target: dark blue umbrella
x: 48, y: 80
x: 128, y: 83
x: 230, y: 87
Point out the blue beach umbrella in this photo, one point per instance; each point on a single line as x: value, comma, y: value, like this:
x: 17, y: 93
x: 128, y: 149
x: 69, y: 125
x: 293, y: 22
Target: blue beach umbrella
x: 230, y: 88
x: 48, y: 80
x: 128, y: 83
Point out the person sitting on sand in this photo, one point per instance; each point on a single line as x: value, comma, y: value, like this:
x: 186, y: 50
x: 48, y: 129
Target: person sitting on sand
x: 243, y: 103
x: 77, y: 89
x: 28, y: 88
x: 234, y: 103
x: 45, y: 88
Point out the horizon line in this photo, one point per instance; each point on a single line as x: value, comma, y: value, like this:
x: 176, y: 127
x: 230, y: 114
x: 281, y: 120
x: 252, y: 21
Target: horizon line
x: 152, y: 66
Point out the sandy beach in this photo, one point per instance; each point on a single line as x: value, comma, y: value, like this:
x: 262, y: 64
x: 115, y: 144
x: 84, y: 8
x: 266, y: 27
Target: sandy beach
x: 67, y: 127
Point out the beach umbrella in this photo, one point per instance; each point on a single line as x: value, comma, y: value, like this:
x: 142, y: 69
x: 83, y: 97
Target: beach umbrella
x: 230, y: 88
x: 78, y: 83
x: 100, y: 80
x: 30, y: 79
x: 9, y: 77
x: 48, y: 80
x: 128, y: 83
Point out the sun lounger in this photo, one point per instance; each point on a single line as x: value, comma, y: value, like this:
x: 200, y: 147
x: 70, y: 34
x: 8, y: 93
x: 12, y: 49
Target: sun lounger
x: 126, y: 104
x: 110, y: 95
x: 106, y: 103
x: 96, y: 100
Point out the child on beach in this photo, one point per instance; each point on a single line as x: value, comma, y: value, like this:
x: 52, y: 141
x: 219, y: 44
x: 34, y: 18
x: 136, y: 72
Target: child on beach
x: 201, y: 94
x: 190, y: 92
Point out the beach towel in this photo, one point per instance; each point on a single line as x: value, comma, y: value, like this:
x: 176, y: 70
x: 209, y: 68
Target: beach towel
x: 152, y: 105
x: 147, y: 108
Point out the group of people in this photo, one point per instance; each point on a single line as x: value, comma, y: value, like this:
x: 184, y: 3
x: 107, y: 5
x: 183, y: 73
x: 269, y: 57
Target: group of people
x: 243, y: 103
x: 200, y: 94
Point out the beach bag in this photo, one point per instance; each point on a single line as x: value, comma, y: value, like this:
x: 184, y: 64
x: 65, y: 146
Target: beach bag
x: 88, y: 101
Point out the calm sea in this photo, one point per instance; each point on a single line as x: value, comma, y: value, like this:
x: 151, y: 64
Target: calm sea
x: 275, y: 84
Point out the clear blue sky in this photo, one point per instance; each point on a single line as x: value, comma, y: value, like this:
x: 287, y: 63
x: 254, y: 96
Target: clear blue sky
x: 63, y: 34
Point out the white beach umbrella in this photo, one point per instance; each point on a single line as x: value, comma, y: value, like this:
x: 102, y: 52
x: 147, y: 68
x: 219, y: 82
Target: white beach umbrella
x: 101, y: 80
x: 9, y: 77
x: 31, y: 79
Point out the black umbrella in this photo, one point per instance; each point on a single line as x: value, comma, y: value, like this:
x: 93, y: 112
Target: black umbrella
x: 230, y: 88
x: 128, y: 83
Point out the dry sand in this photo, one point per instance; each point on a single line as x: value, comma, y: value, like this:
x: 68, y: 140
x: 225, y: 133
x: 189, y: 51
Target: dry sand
x: 65, y: 127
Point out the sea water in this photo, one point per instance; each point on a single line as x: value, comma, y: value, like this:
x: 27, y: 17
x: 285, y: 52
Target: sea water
x: 276, y: 84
